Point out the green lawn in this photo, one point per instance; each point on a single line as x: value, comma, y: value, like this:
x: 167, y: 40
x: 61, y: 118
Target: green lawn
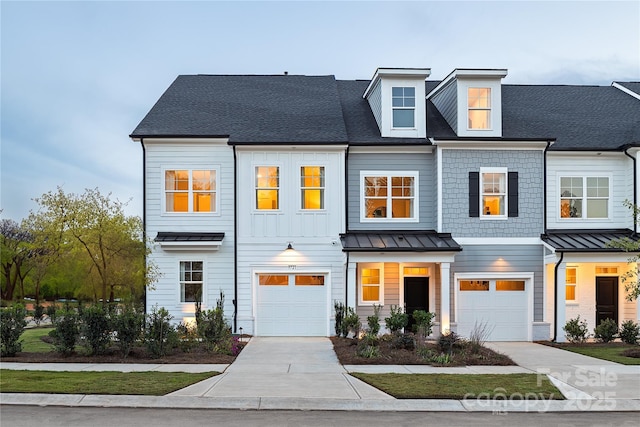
x: 451, y: 386
x: 131, y: 383
x: 611, y: 352
x: 31, y: 342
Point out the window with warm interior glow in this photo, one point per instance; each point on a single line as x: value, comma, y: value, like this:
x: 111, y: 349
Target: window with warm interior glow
x: 273, y: 280
x: 309, y: 280
x: 416, y: 271
x: 509, y: 285
x: 390, y: 197
x: 571, y: 280
x: 584, y: 197
x: 191, y: 281
x: 267, y: 187
x: 370, y: 285
x: 606, y: 270
x: 403, y: 100
x: 479, y: 108
x: 190, y: 190
x: 474, y: 285
x: 493, y: 185
x: 312, y: 187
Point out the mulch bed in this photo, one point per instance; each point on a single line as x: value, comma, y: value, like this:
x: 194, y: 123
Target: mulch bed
x: 137, y: 355
x: 345, y: 349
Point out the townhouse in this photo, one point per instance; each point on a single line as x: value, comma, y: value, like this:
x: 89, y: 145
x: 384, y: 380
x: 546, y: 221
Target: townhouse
x: 483, y: 202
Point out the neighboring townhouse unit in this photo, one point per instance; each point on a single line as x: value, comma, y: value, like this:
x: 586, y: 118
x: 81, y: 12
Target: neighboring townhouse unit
x: 488, y: 204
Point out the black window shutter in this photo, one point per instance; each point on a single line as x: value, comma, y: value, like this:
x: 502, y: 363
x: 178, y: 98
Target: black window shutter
x: 513, y: 194
x: 474, y: 194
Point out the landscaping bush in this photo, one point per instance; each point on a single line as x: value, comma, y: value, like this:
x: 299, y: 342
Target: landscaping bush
x: 12, y: 324
x: 576, y: 331
x: 606, y: 331
x: 51, y: 312
x: 478, y: 336
x: 38, y: 314
x: 339, y: 308
x: 446, y: 342
x: 629, y: 332
x: 351, y: 323
x: 403, y: 341
x: 66, y: 332
x: 373, y: 321
x: 397, y: 319
x: 368, y: 346
x: 214, y: 329
x: 424, y: 322
x: 127, y: 324
x: 160, y: 336
x: 187, y: 336
x: 95, y: 329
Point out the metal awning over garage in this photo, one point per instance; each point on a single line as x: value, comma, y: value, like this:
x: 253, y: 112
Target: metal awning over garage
x: 398, y: 241
x: 587, y: 240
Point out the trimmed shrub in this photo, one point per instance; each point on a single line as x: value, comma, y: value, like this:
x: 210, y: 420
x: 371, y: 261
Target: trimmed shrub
x: 214, y: 329
x: 66, y: 332
x: 606, y: 331
x: 160, y: 336
x: 446, y: 342
x: 373, y: 321
x: 397, y: 319
x: 51, y: 312
x: 576, y: 331
x: 351, y: 323
x: 629, y: 332
x: 424, y: 322
x: 95, y: 329
x: 38, y: 314
x: 403, y: 341
x: 339, y: 309
x: 127, y: 324
x: 12, y: 324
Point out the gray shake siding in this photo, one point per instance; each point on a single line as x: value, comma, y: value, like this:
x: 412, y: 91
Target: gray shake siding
x: 424, y: 163
x: 456, y: 165
x: 515, y: 258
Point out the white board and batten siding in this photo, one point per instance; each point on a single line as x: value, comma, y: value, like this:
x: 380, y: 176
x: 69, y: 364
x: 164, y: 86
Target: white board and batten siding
x: 616, y: 166
x: 217, y: 264
x: 314, y: 234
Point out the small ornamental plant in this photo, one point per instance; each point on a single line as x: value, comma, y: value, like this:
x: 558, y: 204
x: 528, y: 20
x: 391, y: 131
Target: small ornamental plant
x: 576, y: 330
x: 629, y: 331
x: 606, y: 331
x: 12, y: 324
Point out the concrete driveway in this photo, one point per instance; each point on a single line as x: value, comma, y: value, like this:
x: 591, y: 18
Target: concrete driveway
x: 295, y: 367
x: 577, y: 376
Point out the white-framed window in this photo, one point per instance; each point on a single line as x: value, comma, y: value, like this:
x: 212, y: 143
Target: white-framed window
x: 584, y: 197
x: 370, y: 283
x: 403, y: 102
x: 190, y: 190
x: 493, y: 192
x: 191, y: 281
x: 571, y: 281
x: 479, y: 108
x: 389, y: 196
x: 267, y: 187
x: 312, y: 187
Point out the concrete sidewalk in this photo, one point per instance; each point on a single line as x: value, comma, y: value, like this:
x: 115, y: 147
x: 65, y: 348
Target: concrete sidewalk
x: 304, y: 374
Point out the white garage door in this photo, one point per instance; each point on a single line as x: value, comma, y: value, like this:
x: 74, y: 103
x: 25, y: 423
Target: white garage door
x: 292, y: 305
x: 501, y: 305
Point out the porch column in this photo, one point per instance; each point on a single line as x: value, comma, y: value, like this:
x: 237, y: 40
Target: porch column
x: 445, y: 303
x: 351, y: 285
x: 561, y: 301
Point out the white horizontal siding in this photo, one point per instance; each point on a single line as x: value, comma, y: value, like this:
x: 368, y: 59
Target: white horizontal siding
x: 617, y: 166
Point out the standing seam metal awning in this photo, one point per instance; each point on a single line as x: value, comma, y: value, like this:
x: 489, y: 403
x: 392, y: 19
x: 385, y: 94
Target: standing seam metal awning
x: 398, y: 241
x: 189, y: 241
x: 587, y: 240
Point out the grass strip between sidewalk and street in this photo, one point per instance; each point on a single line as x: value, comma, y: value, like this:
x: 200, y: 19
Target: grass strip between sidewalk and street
x: 611, y: 353
x: 131, y: 383
x: 463, y: 386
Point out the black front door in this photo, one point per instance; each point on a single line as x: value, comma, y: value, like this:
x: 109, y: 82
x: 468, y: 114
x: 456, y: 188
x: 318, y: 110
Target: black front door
x: 606, y: 299
x: 416, y: 297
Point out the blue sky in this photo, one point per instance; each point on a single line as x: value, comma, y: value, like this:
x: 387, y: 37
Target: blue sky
x: 77, y: 77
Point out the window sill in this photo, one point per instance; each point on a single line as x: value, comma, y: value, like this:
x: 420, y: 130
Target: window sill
x: 572, y: 303
x: 494, y: 217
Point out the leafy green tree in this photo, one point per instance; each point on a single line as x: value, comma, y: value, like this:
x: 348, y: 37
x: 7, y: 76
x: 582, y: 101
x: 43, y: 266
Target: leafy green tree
x: 110, y: 243
x: 631, y: 278
x: 15, y: 251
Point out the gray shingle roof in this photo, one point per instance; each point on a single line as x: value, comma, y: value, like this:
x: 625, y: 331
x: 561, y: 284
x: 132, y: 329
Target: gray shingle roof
x: 249, y: 109
x: 398, y: 241
x: 632, y: 86
x: 255, y: 109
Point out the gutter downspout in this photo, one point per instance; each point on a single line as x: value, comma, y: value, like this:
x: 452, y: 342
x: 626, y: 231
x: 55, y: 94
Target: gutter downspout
x: 144, y: 219
x: 346, y: 220
x: 555, y: 298
x: 235, y: 241
x: 544, y: 183
x: 635, y: 188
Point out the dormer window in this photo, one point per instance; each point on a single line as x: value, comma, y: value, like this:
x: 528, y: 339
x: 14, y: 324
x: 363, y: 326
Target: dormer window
x: 479, y: 108
x: 404, y: 105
